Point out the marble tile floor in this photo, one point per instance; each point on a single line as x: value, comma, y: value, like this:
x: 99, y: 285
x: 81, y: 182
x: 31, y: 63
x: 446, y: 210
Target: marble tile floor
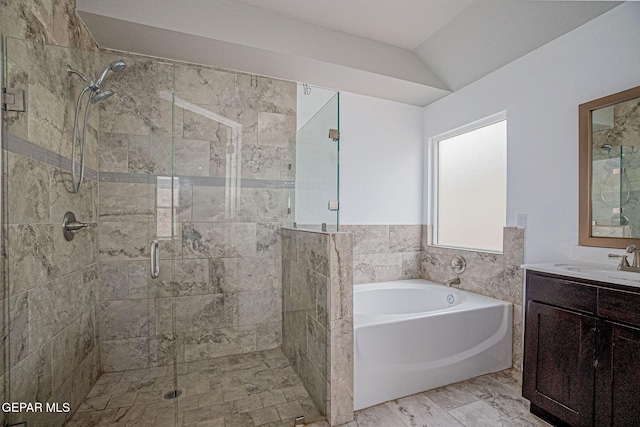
x: 255, y: 389
x: 492, y: 400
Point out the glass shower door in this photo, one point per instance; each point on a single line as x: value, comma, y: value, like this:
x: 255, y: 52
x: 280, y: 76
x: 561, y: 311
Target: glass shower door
x: 139, y: 240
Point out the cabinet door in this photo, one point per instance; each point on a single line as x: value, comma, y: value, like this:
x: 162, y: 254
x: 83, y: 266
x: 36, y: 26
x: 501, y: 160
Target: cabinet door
x: 618, y: 377
x: 559, y: 357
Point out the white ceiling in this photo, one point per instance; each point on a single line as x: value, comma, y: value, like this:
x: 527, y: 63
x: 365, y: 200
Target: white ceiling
x: 411, y: 51
x: 405, y: 23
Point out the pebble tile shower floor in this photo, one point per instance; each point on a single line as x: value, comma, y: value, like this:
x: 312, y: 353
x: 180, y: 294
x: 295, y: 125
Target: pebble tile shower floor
x: 255, y: 389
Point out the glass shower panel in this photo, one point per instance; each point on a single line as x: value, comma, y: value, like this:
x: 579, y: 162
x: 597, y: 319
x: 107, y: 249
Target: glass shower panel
x: 316, y: 171
x: 232, y: 165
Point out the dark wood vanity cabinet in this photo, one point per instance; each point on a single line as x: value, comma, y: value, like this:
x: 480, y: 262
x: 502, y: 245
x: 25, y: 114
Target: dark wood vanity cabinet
x: 582, y: 351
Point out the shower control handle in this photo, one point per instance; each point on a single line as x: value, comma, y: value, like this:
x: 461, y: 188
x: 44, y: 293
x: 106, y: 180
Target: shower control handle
x: 155, y: 259
x: 75, y: 226
x: 70, y: 225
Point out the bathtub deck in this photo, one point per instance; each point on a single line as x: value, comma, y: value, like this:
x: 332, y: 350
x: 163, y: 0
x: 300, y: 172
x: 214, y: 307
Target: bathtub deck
x: 489, y: 400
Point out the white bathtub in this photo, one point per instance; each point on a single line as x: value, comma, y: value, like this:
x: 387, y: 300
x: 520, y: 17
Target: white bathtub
x: 415, y: 335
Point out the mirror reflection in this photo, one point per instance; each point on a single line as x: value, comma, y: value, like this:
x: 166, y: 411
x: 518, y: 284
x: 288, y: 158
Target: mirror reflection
x: 615, y: 186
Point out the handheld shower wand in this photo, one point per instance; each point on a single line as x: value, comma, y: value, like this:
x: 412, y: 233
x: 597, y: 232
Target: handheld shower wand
x: 95, y: 95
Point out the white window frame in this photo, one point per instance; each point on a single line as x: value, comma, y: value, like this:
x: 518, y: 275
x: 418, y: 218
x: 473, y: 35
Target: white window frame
x: 432, y: 177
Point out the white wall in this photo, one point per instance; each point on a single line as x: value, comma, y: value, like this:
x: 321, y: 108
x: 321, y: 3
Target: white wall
x: 380, y: 161
x: 541, y: 93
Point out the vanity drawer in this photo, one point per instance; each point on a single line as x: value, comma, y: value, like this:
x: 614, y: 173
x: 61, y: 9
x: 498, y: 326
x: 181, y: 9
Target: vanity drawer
x: 619, y: 306
x: 562, y: 293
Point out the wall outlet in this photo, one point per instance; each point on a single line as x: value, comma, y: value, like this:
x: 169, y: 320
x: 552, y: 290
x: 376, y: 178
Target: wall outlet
x: 522, y: 221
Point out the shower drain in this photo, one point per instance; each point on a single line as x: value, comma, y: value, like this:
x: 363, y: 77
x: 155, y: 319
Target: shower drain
x: 173, y: 394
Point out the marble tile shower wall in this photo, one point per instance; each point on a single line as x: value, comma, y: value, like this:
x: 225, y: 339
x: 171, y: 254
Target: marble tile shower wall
x: 317, y: 327
x: 220, y: 280
x: 51, y: 284
x: 53, y: 22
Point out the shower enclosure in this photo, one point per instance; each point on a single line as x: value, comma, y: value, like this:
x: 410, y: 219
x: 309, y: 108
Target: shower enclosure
x: 193, y: 161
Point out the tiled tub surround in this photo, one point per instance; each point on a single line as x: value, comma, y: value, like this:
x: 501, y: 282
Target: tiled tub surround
x: 385, y: 252
x: 394, y: 252
x: 494, y: 275
x: 318, y: 317
x: 51, y: 284
x: 219, y: 290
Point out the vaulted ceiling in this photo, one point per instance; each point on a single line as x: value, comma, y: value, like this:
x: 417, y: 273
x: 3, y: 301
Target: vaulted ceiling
x: 411, y: 51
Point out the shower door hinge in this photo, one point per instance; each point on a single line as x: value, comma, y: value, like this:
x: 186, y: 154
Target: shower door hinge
x: 334, y: 134
x: 13, y: 99
x: 334, y: 205
x: 619, y: 171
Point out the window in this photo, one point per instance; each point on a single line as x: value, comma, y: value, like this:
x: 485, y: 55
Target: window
x: 468, y: 185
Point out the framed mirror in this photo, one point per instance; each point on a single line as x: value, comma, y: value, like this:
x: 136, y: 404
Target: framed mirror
x: 609, y: 170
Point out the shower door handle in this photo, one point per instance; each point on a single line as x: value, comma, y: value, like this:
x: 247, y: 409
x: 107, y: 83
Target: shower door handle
x: 155, y: 259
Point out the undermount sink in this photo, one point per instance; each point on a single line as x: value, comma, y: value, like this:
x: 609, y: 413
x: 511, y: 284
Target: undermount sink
x: 604, y: 269
x: 597, y: 272
x: 600, y: 271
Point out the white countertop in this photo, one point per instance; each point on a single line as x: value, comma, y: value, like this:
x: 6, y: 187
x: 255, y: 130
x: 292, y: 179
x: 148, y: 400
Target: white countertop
x: 589, y: 271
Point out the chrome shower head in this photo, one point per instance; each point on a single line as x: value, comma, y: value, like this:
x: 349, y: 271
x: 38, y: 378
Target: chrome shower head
x: 116, y: 66
x: 101, y: 95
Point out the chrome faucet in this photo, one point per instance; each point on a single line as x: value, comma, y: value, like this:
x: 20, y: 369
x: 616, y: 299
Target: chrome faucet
x: 624, y: 263
x: 455, y: 281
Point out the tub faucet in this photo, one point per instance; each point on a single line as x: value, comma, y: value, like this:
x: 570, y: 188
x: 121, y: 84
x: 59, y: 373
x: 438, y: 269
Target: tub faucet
x: 455, y: 281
